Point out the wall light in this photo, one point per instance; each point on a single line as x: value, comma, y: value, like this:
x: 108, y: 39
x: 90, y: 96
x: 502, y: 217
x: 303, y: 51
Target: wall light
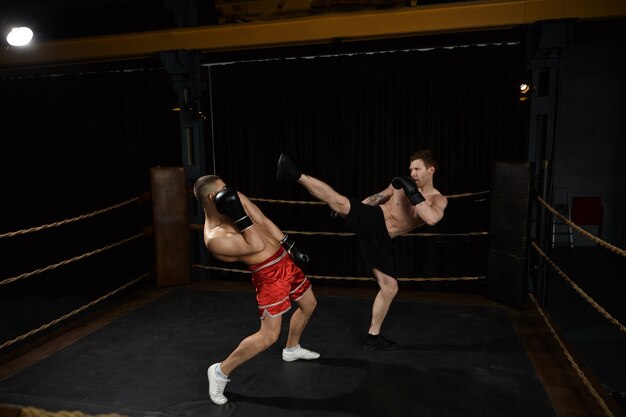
x: 524, y: 91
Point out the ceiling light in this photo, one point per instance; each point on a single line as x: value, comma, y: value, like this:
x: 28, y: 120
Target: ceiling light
x: 20, y: 36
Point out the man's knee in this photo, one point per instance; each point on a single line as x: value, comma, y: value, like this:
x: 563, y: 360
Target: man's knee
x: 308, y: 303
x: 310, y: 306
x: 388, y: 285
x: 270, y: 331
x: 390, y: 289
x: 269, y: 338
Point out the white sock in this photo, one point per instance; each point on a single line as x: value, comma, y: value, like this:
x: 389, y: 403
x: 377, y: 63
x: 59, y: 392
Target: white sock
x: 219, y: 372
x: 292, y: 349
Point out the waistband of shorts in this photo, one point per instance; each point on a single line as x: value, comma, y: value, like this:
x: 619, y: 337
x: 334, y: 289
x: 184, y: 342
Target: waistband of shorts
x: 272, y: 260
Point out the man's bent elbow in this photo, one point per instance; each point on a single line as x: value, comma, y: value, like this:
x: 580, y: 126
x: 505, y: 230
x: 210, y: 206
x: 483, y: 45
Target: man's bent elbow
x: 432, y: 220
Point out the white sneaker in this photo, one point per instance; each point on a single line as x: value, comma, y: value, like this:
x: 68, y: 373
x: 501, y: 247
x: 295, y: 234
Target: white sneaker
x: 216, y: 386
x: 299, y: 353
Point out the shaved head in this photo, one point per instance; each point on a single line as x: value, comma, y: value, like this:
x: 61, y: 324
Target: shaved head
x: 205, y: 185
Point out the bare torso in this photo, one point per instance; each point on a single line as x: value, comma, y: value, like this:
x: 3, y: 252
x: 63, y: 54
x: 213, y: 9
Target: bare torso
x: 227, y: 230
x: 398, y: 212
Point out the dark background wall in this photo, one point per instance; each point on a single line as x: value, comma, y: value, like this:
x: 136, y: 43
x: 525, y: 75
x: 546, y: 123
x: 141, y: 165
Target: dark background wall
x: 589, y: 161
x: 72, y: 144
x: 353, y: 121
x: 591, y: 130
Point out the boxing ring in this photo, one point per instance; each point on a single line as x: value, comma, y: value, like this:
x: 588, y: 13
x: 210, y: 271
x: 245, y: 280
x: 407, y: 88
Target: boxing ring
x: 146, y: 353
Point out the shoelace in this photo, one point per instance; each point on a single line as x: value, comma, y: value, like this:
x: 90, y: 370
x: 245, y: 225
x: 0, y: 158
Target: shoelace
x: 221, y: 384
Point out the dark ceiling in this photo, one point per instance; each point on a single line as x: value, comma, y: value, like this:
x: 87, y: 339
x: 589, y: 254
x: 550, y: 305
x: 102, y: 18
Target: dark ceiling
x: 62, y: 19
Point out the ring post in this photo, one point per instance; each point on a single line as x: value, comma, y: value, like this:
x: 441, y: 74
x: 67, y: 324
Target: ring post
x: 171, y: 226
x: 509, y: 227
x: 543, y: 231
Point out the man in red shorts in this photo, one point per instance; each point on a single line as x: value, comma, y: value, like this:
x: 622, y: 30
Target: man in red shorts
x: 235, y: 230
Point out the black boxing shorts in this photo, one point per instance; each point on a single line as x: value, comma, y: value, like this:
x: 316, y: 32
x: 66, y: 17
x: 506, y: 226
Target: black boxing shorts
x: 368, y: 223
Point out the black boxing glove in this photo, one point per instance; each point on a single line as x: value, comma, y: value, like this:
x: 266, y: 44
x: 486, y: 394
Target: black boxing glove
x: 335, y: 217
x: 410, y: 189
x: 227, y: 202
x: 300, y: 258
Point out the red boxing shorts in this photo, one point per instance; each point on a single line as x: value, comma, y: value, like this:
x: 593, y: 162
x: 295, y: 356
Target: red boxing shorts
x: 278, y: 282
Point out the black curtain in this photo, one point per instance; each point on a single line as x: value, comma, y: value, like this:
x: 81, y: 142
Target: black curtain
x: 353, y: 121
x: 72, y: 144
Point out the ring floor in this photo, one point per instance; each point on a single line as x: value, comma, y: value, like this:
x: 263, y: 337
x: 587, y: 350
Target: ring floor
x: 460, y: 355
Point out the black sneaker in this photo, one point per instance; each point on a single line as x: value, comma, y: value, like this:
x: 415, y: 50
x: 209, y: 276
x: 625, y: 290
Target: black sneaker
x: 379, y: 343
x: 286, y: 169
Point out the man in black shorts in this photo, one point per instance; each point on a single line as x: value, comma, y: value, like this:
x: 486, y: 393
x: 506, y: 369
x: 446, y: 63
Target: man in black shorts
x: 407, y: 203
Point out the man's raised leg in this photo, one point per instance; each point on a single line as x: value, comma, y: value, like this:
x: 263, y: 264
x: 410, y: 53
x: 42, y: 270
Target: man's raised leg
x: 317, y: 188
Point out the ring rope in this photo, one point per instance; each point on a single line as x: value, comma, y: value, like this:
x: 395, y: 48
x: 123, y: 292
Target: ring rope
x: 139, y: 199
x: 582, y: 231
x: 68, y: 261
x: 200, y: 227
x: 468, y: 194
x: 39, y: 412
x: 572, y: 362
x: 579, y: 290
x: 215, y: 268
x: 294, y: 232
x: 269, y: 200
x: 73, y: 313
